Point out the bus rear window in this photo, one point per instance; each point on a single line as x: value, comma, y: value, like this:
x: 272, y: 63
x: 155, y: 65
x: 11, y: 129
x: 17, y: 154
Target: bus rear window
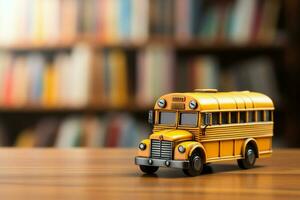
x: 188, y: 119
x: 167, y: 118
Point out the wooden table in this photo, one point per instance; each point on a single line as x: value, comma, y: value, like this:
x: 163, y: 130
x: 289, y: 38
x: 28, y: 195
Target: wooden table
x: 110, y: 174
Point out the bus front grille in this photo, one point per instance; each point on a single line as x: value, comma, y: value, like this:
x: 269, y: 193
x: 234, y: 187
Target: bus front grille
x: 161, y: 149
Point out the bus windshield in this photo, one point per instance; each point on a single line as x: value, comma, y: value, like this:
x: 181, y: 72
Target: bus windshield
x: 188, y: 119
x: 167, y: 118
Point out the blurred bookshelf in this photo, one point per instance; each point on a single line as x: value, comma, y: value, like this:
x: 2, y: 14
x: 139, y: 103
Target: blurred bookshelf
x: 104, y: 62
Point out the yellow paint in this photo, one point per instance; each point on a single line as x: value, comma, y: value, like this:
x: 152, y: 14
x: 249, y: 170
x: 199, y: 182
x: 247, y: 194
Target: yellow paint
x: 190, y: 146
x: 265, y: 144
x: 226, y: 148
x: 146, y: 152
x: 221, y: 101
x: 212, y: 149
x: 238, y: 147
x: 220, y: 141
x: 171, y: 135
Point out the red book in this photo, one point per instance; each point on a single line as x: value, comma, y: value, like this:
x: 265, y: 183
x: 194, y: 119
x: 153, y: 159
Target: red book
x: 8, y: 86
x: 113, y: 132
x: 256, y: 23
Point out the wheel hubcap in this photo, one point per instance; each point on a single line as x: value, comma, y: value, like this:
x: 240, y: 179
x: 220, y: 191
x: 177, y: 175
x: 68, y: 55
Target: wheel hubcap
x: 197, y: 163
x: 251, y: 156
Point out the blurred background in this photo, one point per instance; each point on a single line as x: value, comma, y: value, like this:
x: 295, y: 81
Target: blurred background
x: 85, y: 72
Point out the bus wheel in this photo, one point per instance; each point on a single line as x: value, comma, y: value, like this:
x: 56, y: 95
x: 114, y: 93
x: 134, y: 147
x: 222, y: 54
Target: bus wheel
x: 196, y: 165
x: 148, y: 169
x: 250, y: 158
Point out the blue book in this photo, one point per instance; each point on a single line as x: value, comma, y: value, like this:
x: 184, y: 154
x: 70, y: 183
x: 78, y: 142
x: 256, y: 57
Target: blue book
x: 124, y: 20
x: 195, y: 16
x: 36, y: 64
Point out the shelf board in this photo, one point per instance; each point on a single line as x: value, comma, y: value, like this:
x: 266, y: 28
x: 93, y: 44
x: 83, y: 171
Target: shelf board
x: 177, y: 45
x: 89, y: 109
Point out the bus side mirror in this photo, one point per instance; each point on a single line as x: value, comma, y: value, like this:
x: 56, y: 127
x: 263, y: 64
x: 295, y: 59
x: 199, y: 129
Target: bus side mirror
x: 206, y: 119
x: 151, y: 117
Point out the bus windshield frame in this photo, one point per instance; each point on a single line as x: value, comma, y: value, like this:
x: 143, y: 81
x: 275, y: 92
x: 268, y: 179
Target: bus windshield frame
x: 188, y: 119
x: 183, y: 119
x: 167, y: 118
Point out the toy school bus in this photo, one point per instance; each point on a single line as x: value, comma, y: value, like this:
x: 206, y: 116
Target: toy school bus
x: 197, y: 128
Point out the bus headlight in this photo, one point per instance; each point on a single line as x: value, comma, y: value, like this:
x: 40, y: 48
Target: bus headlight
x: 181, y: 149
x: 161, y: 103
x: 142, y: 146
x: 193, y: 104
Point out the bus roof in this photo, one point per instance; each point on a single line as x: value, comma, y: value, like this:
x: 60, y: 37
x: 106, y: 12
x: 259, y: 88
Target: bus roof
x: 214, y: 101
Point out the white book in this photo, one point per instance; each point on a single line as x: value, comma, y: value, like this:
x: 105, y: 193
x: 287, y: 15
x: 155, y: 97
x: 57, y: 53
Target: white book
x: 69, y: 133
x: 8, y: 22
x: 140, y: 20
x: 51, y: 21
x: 81, y: 61
x: 242, y: 20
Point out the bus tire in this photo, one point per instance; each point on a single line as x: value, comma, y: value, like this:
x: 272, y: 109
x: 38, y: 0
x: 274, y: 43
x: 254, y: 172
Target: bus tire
x: 196, y: 164
x: 250, y: 158
x: 148, y: 169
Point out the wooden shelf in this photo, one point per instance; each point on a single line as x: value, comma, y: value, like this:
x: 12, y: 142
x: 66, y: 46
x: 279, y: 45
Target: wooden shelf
x: 178, y: 45
x: 88, y: 109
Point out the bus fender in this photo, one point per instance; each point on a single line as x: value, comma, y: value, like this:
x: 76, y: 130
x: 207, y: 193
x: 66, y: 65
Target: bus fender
x: 189, y: 146
x: 248, y: 141
x: 202, y: 149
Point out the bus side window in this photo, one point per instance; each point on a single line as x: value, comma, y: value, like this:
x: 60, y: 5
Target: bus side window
x: 204, y: 116
x: 268, y: 115
x: 251, y: 116
x: 215, y: 118
x: 225, y: 118
x: 234, y: 117
x: 260, y: 115
x: 242, y: 117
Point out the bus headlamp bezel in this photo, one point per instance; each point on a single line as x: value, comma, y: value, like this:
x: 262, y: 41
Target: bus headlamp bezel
x: 142, y: 146
x: 181, y: 149
x: 162, y: 103
x: 193, y: 104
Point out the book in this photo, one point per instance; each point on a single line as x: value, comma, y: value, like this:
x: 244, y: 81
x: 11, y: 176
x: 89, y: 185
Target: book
x: 154, y: 74
x: 255, y: 74
x: 61, y: 22
x: 36, y: 65
x: 118, y: 83
x: 81, y: 61
x: 94, y: 131
x: 269, y: 18
x: 69, y: 20
x: 5, y: 61
x: 69, y: 133
x: 201, y: 71
x: 19, y: 90
x: 26, y: 138
x: 46, y: 132
x: 139, y: 26
x: 242, y: 20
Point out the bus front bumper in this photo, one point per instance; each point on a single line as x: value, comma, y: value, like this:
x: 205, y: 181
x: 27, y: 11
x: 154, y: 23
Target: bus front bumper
x: 181, y: 164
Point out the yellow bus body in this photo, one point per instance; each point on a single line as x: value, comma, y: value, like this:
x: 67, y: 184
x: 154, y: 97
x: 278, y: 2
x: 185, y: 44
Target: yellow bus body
x: 235, y: 119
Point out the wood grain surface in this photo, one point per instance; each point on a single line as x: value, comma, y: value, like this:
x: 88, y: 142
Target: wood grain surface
x: 110, y: 174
